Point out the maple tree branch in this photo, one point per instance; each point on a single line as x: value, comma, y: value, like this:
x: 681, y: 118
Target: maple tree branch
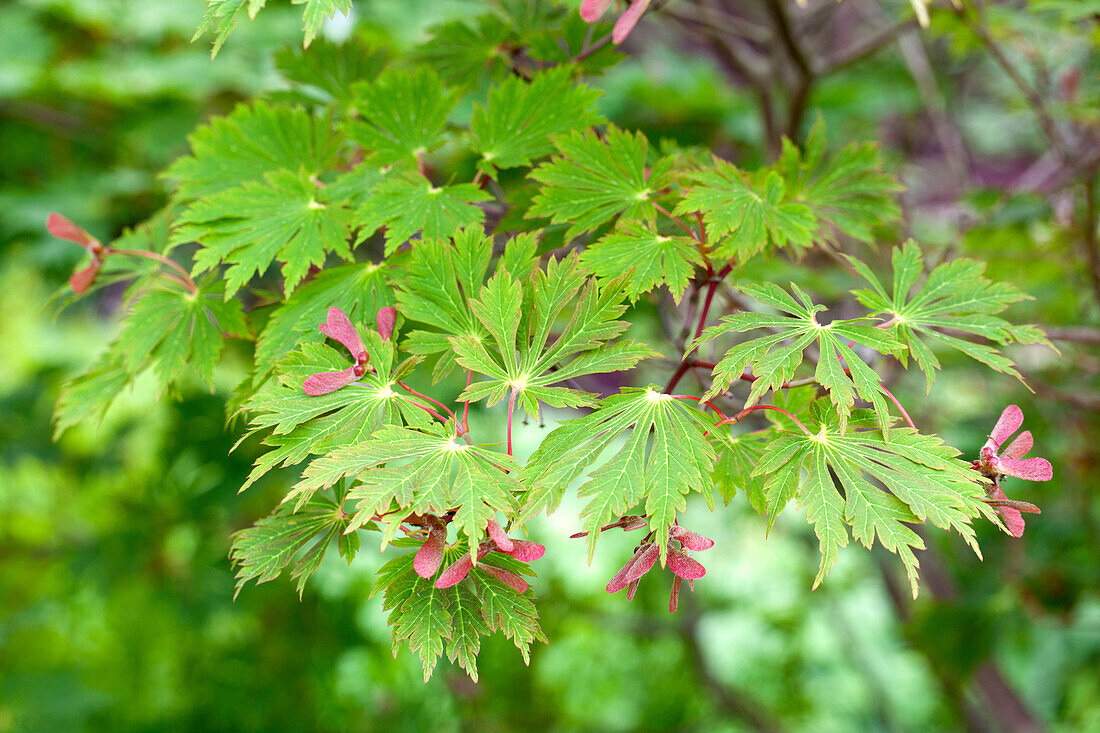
x: 1088, y: 235
x: 800, y: 94
x: 1034, y: 98
x: 711, y: 288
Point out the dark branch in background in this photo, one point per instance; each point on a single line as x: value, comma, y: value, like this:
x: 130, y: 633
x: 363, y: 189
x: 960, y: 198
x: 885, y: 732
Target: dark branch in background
x: 1034, y: 98
x: 799, y: 94
x: 1088, y: 234
x: 733, y: 702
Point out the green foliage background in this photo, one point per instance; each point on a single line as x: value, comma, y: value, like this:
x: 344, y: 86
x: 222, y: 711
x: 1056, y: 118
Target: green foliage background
x: 116, y: 608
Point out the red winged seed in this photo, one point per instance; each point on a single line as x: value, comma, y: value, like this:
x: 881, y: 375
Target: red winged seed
x: 690, y: 540
x: 631, y: 590
x: 618, y: 581
x: 526, y: 551
x: 325, y: 382
x: 500, y: 539
x: 591, y: 10
x: 455, y: 572
x: 81, y: 280
x: 644, y: 562
x: 516, y: 583
x: 63, y: 228
x: 339, y: 328
x: 626, y: 22
x: 674, y: 597
x: 387, y: 320
x: 1019, y: 447
x: 684, y: 566
x: 1029, y: 469
x: 430, y: 555
x: 1014, y: 521
x: 1012, y: 417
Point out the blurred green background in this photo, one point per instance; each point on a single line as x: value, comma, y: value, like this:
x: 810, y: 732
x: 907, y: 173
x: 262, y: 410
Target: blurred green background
x: 116, y: 594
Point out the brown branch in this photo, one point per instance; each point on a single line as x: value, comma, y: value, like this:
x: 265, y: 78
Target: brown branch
x: 1034, y: 98
x: 800, y: 94
x: 1088, y: 235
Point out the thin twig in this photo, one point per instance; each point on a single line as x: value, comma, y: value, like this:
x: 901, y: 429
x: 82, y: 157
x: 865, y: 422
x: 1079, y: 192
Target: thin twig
x: 184, y: 277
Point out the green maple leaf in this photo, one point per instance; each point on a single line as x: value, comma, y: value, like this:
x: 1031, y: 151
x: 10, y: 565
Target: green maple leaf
x: 848, y: 192
x: 406, y: 471
x: 746, y: 214
x: 432, y: 621
x: 302, y: 537
x: 664, y: 457
x: 409, y: 204
x: 522, y: 356
x: 285, y: 217
x: 328, y: 70
x: 856, y: 478
x: 434, y: 284
x: 359, y: 289
x: 222, y: 15
x: 166, y: 328
x: 247, y: 144
x: 738, y: 457
x: 774, y: 362
x: 402, y: 115
x: 519, y: 118
x: 315, y: 12
x: 593, y: 180
x: 463, y: 51
x: 300, y: 425
x: 651, y: 259
x: 955, y: 296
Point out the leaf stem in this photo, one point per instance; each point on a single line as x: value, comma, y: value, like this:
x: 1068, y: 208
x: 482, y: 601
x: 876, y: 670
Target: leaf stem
x: 466, y: 405
x: 897, y: 404
x: 428, y: 410
x: 511, y: 409
x: 592, y: 48
x: 708, y: 403
x: 741, y: 416
x: 184, y: 277
x: 690, y: 232
x: 437, y: 403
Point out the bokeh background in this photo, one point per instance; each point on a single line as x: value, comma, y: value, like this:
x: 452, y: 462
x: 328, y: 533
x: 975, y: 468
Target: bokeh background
x: 116, y: 594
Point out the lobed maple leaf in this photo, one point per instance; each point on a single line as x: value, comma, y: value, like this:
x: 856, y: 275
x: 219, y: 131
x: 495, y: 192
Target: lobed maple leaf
x: 520, y: 117
x: 528, y: 360
x: 435, y: 286
x: 262, y: 551
x: 252, y: 141
x: 665, y: 456
x: 594, y: 180
x: 956, y: 297
x: 745, y: 214
x: 284, y: 217
x: 847, y: 191
x: 648, y: 259
x: 857, y: 478
x: 402, y: 471
x: 774, y: 358
x: 433, y: 620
